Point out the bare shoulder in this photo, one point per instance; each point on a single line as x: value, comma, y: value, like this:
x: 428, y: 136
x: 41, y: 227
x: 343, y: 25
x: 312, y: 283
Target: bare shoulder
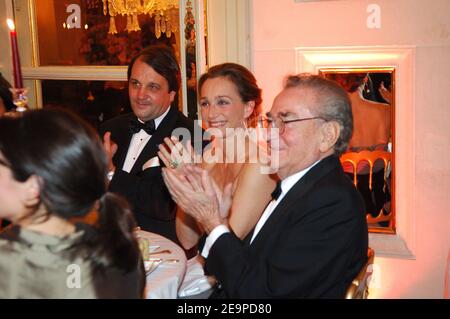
x: 254, y: 171
x: 381, y: 107
x: 253, y: 177
x: 251, y: 195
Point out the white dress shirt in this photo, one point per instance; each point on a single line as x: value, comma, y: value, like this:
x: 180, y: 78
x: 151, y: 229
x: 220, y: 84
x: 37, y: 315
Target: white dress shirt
x: 138, y: 142
x: 286, y: 185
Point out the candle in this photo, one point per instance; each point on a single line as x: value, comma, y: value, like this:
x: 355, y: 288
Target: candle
x: 15, y: 53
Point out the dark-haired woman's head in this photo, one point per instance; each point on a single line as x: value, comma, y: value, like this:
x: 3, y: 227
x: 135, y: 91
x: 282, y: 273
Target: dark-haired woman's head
x: 53, y: 175
x: 154, y: 80
x: 55, y: 161
x: 229, y: 97
x: 6, y: 98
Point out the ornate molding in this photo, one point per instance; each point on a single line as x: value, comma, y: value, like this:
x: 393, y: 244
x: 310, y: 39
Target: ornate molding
x: 401, y: 58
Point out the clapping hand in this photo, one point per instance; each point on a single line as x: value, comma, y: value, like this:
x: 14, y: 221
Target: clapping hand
x: 110, y: 149
x: 174, y: 154
x: 199, y: 196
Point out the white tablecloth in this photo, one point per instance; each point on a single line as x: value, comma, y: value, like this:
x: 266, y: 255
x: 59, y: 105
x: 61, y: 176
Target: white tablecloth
x: 165, y: 281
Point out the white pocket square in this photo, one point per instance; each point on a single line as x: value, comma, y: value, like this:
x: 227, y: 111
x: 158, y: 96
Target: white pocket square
x: 153, y: 162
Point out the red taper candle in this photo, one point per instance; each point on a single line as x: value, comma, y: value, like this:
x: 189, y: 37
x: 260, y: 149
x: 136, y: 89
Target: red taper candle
x: 15, y: 53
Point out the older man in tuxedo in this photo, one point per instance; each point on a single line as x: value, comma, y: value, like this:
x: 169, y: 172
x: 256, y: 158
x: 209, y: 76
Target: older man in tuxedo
x: 132, y: 139
x: 311, y: 239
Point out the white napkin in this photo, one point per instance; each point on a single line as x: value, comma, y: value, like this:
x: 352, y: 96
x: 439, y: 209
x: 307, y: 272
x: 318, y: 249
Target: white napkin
x: 195, y: 281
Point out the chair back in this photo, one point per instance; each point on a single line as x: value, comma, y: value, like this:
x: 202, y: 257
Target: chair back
x: 359, y: 288
x: 354, y: 158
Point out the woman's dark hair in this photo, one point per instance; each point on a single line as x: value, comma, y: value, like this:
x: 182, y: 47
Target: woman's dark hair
x: 6, y: 94
x: 244, y: 81
x: 162, y: 59
x: 67, y: 156
x: 349, y: 81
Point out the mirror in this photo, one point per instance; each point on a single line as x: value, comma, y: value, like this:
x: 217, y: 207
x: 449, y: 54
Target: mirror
x: 369, y: 159
x: 191, y: 62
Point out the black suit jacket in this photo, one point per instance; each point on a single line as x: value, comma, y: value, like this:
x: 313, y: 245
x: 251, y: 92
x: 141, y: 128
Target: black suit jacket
x: 145, y: 190
x: 312, y: 245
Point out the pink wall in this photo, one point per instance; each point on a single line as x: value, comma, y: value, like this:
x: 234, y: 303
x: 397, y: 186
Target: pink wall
x: 281, y: 26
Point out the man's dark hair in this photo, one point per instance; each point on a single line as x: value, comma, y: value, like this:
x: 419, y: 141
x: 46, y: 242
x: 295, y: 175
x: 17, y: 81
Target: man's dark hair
x: 162, y: 59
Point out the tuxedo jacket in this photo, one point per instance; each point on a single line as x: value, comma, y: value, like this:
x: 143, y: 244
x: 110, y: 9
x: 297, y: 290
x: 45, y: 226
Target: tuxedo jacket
x: 152, y: 205
x: 312, y: 246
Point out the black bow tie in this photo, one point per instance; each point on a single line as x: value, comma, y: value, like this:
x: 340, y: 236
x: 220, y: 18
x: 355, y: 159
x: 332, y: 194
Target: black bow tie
x: 136, y: 126
x: 277, y: 191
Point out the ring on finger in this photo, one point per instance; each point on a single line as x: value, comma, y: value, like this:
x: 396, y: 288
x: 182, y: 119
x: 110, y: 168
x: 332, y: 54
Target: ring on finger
x: 174, y: 164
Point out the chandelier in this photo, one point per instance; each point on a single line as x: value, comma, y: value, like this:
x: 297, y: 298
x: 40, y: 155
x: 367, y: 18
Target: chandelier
x: 163, y: 11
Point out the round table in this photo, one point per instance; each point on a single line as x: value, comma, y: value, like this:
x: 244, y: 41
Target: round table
x: 165, y: 281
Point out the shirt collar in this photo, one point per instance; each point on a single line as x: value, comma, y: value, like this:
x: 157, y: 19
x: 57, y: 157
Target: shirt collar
x: 290, y: 181
x: 159, y: 119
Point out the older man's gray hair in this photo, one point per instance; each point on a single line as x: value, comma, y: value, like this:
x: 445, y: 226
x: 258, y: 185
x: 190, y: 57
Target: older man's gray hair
x: 333, y: 104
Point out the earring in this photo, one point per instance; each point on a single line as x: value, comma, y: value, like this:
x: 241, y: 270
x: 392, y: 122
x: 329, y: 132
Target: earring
x: 366, y: 88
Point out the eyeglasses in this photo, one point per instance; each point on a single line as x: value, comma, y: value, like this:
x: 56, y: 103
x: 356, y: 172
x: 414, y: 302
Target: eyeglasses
x: 280, y: 124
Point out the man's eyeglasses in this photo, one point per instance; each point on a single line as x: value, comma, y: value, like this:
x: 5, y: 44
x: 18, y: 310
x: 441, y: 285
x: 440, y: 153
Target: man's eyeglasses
x: 280, y: 124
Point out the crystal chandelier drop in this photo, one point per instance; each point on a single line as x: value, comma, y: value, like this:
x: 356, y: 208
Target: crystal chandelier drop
x: 163, y: 11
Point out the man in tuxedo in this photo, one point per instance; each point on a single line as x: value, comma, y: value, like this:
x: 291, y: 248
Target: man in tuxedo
x: 132, y: 139
x: 311, y: 239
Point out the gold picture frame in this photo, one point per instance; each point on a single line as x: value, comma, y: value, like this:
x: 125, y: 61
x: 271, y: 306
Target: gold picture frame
x: 370, y: 159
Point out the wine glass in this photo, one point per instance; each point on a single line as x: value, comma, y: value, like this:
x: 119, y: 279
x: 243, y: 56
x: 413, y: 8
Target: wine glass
x: 20, y: 99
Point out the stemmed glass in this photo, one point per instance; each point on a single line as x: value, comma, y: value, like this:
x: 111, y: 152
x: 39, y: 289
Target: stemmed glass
x: 20, y: 99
